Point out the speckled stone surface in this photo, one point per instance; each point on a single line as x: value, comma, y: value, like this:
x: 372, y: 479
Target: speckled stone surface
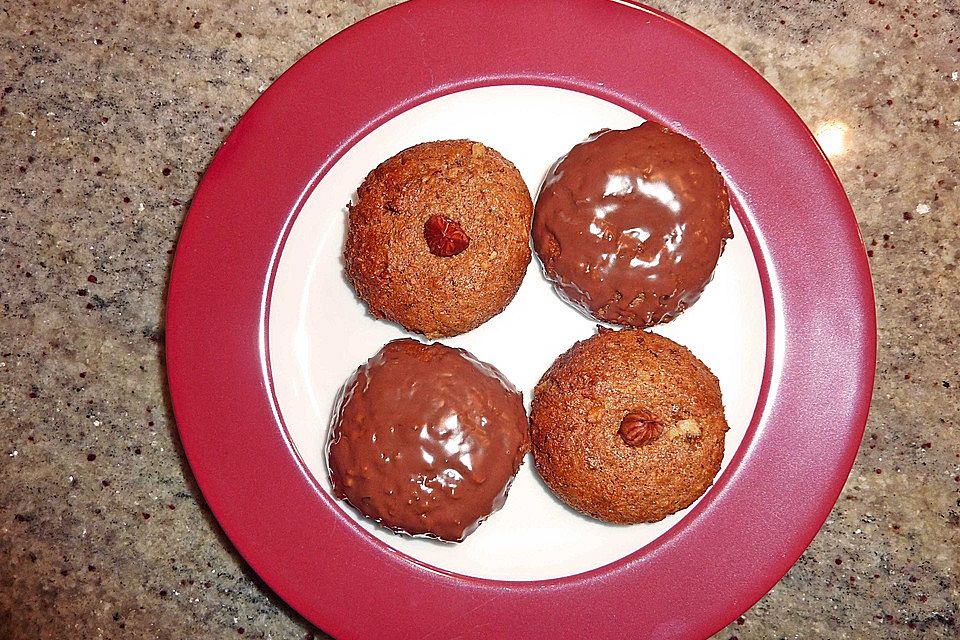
x: 109, y: 112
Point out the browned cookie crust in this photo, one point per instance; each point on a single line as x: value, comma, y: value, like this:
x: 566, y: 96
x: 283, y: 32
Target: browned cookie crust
x: 628, y: 426
x: 388, y: 257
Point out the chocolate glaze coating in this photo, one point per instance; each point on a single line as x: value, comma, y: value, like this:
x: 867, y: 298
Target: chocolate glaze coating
x: 427, y: 439
x: 630, y: 224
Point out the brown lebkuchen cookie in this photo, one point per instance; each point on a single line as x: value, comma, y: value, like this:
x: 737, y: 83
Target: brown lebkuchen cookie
x: 628, y: 426
x: 438, y: 239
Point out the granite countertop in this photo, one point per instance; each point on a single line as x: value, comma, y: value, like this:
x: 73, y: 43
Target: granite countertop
x: 109, y: 113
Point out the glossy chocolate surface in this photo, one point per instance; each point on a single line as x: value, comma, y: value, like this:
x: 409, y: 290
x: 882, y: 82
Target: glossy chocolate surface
x: 629, y: 225
x: 427, y: 440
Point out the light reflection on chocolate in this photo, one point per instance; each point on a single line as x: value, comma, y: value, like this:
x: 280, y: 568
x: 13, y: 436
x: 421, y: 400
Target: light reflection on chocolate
x: 629, y: 225
x: 427, y: 439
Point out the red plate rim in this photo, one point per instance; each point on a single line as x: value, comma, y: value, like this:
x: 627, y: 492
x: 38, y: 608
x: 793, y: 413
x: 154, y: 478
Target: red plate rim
x: 764, y: 510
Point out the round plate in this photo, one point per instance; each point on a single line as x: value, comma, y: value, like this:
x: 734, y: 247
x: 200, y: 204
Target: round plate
x: 820, y: 340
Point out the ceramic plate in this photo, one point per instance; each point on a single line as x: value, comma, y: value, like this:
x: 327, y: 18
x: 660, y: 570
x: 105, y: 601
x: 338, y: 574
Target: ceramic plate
x: 262, y: 328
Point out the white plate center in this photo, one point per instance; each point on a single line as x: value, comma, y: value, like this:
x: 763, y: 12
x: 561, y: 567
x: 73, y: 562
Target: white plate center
x: 319, y: 332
